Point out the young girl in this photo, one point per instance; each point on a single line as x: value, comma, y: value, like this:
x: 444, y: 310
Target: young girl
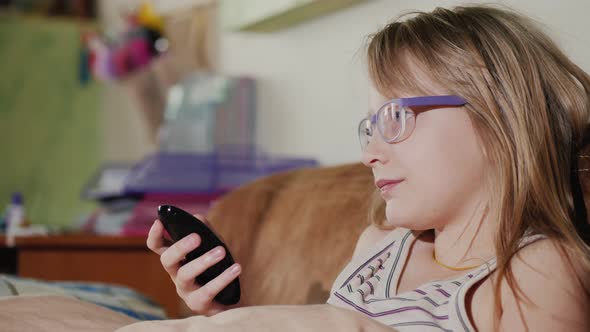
x: 474, y: 133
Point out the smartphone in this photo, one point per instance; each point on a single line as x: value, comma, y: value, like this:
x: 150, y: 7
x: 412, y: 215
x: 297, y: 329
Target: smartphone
x: 179, y: 223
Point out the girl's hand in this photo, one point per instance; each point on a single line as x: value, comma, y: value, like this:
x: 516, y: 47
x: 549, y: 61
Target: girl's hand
x: 199, y: 298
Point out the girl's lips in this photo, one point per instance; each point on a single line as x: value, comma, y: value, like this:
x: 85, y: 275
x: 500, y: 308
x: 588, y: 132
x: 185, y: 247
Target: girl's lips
x: 382, y: 183
x: 386, y: 186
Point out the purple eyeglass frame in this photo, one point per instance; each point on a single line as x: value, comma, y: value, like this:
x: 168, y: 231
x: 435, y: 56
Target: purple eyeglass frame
x: 448, y: 100
x: 445, y: 100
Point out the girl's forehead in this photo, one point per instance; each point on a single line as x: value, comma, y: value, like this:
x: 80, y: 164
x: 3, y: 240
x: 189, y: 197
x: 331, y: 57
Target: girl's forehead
x: 376, y: 99
x: 425, y: 85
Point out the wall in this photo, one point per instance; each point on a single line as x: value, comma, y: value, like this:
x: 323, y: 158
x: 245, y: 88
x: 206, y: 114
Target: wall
x: 49, y: 133
x: 312, y: 81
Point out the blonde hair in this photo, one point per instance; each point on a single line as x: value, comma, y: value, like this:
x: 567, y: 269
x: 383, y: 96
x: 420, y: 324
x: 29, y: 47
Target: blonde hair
x: 530, y: 107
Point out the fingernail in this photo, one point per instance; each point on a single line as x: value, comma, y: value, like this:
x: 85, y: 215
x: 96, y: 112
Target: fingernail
x: 217, y: 252
x: 236, y: 269
x: 194, y: 239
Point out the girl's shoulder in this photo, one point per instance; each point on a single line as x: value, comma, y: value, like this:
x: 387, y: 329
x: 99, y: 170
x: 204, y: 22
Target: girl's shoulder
x: 369, y: 237
x: 548, y: 295
x: 552, y: 298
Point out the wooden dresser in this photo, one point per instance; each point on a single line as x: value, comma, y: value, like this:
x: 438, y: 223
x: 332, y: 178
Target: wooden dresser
x: 118, y: 260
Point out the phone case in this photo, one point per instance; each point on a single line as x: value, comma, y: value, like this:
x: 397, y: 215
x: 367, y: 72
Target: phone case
x: 179, y: 223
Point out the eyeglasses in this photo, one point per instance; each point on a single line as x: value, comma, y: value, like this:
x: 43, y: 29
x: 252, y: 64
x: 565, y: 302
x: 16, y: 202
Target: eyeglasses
x: 395, y: 120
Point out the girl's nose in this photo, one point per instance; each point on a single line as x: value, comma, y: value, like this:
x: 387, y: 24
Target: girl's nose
x: 375, y: 152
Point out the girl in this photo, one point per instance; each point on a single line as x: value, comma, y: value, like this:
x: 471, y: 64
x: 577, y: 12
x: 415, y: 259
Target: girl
x: 475, y: 129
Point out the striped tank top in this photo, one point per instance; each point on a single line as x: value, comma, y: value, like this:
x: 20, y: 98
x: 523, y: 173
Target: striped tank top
x: 365, y: 284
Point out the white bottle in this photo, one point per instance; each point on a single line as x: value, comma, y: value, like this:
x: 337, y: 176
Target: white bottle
x: 15, y: 219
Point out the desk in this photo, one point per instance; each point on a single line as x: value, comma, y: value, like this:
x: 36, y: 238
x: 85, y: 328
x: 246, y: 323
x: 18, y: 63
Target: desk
x: 109, y: 259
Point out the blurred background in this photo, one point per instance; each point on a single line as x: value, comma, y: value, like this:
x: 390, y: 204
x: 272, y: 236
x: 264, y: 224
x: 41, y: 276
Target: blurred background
x: 111, y: 107
x: 87, y: 83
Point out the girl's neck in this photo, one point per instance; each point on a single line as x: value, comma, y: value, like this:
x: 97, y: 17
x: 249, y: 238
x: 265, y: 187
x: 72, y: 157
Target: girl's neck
x: 466, y: 242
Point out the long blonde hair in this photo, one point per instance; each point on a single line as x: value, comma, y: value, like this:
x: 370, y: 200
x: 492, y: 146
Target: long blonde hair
x: 529, y: 104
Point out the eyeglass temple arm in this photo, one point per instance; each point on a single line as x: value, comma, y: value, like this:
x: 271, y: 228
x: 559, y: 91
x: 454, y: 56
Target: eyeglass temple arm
x: 449, y: 100
x: 432, y: 101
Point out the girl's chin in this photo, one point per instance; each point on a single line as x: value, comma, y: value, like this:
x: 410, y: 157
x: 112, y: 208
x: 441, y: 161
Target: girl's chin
x: 396, y: 218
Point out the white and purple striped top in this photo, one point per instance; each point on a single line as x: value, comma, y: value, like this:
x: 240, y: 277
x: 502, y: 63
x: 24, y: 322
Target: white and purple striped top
x: 365, y: 284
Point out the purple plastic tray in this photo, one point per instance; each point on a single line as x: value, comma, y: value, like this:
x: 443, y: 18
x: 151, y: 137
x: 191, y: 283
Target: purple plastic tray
x: 188, y: 173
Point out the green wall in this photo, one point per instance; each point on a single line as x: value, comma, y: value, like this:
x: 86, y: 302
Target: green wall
x: 49, y: 123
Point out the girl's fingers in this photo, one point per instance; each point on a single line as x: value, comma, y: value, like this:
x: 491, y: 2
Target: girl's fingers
x: 175, y: 254
x: 185, y: 278
x: 201, y: 299
x: 156, y: 240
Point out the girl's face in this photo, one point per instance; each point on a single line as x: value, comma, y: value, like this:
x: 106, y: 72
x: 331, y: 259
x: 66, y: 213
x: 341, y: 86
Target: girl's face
x: 440, y: 166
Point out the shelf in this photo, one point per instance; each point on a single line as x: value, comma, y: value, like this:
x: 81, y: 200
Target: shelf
x: 79, y: 241
x: 273, y: 15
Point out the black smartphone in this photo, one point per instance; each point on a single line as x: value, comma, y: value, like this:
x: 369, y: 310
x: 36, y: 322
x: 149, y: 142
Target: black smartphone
x: 179, y: 223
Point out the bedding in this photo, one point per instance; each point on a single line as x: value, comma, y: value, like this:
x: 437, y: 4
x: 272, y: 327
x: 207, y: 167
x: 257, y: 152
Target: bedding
x: 39, y: 313
x: 66, y: 314
x: 284, y: 318
x: 117, y: 298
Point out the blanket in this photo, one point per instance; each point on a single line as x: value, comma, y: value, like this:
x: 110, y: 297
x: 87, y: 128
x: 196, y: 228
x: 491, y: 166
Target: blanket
x: 64, y: 314
x: 284, y: 318
x: 117, y: 298
x: 57, y: 313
